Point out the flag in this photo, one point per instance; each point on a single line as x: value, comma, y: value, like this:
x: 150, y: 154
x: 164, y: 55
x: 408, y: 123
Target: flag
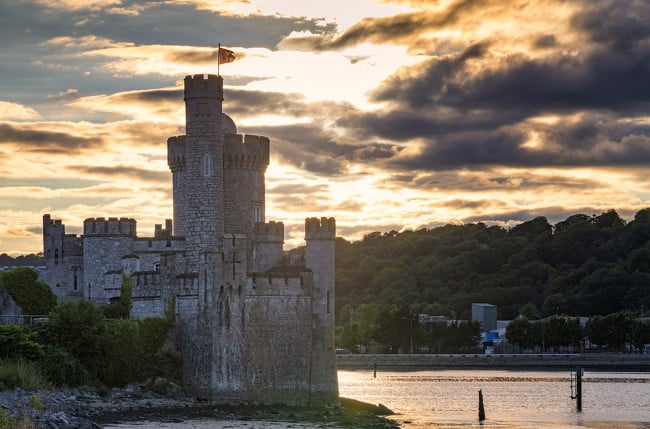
x: 226, y: 56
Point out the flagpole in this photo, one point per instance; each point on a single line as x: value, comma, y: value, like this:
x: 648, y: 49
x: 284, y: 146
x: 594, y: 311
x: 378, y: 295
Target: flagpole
x: 219, y: 60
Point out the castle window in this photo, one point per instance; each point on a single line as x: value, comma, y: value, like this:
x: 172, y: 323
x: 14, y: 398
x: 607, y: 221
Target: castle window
x: 56, y: 256
x: 207, y: 165
x: 156, y: 266
x: 257, y: 214
x: 75, y: 284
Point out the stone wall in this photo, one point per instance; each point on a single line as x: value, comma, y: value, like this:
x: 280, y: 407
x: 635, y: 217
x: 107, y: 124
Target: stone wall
x: 279, y: 339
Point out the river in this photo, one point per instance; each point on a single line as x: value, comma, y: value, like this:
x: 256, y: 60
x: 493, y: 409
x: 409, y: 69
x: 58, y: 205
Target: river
x: 512, y: 399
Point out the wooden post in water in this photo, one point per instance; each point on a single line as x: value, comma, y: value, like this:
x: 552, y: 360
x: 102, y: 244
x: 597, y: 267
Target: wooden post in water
x: 578, y: 394
x: 374, y: 373
x: 481, y: 410
x: 579, y: 374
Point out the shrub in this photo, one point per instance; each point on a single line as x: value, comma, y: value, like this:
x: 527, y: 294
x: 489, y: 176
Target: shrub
x: 19, y: 342
x: 62, y: 369
x: 79, y: 328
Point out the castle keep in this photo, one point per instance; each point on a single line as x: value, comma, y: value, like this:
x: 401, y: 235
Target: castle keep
x: 250, y: 325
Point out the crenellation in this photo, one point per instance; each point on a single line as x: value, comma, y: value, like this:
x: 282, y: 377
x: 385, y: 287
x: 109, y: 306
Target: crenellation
x: 110, y: 226
x: 320, y: 229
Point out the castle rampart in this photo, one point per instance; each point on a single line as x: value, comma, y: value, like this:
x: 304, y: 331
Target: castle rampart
x: 247, y: 152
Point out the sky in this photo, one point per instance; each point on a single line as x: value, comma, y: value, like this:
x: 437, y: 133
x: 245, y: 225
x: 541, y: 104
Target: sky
x: 388, y: 115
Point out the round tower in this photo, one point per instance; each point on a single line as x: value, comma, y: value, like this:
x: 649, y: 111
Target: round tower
x: 198, y: 160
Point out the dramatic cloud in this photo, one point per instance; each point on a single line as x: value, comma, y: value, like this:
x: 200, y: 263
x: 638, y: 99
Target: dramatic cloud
x: 388, y: 115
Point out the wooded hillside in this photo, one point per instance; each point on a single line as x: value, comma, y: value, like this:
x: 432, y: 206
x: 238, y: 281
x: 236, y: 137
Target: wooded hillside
x: 582, y: 266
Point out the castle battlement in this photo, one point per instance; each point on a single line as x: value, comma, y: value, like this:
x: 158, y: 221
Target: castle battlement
x: 245, y: 152
x: 52, y: 224
x: 287, y: 284
x: 110, y: 226
x: 202, y: 86
x: 320, y: 229
x: 176, y: 153
x: 269, y: 231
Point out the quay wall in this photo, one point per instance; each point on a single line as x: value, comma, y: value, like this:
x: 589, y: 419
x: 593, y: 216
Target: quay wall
x: 418, y: 362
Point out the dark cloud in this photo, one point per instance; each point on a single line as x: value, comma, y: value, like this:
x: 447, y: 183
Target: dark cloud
x: 310, y: 147
x: 621, y: 26
x: 546, y: 41
x: 124, y: 171
x: 52, y: 142
x: 297, y: 188
x: 157, y: 96
x: 403, y: 28
x: 553, y: 214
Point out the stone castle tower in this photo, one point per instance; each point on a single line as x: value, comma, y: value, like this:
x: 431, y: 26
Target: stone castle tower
x: 249, y: 325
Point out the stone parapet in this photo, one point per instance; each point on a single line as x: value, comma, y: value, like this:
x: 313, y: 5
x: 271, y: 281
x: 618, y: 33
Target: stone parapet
x: 320, y: 229
x: 110, y: 226
x: 245, y: 152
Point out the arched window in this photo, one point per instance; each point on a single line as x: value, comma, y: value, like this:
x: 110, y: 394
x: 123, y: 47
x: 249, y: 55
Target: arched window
x: 207, y: 165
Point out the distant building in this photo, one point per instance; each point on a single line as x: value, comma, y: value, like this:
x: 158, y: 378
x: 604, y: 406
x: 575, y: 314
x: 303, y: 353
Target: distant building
x: 486, y: 315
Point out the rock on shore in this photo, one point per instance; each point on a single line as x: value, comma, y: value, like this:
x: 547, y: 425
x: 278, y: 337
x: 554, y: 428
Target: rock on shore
x: 86, y: 409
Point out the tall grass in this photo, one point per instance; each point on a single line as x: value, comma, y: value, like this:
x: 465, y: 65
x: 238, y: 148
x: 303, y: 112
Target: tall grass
x: 23, y: 374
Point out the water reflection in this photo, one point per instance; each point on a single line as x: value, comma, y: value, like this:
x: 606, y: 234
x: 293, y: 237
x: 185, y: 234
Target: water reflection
x: 513, y: 399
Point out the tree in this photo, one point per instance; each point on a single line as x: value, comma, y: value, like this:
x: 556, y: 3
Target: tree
x: 519, y: 333
x: 529, y: 311
x: 30, y: 294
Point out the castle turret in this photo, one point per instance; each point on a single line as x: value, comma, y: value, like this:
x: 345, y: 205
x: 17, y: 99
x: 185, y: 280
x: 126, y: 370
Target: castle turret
x: 197, y: 164
x: 63, y: 259
x: 320, y: 237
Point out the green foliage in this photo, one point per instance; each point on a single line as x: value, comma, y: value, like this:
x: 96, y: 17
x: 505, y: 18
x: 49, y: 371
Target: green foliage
x: 582, y: 266
x: 610, y: 331
x: 22, y: 374
x: 31, y: 295
x: 36, y: 403
x: 62, y: 369
x: 18, y: 342
x: 122, y: 308
x: 80, y: 328
x: 546, y: 335
x: 113, y: 352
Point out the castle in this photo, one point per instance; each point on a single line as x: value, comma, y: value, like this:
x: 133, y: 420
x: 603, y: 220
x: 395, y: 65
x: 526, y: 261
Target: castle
x: 250, y: 325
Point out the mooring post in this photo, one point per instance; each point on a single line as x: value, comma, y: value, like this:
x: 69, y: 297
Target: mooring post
x: 481, y: 410
x: 374, y: 373
x: 579, y: 374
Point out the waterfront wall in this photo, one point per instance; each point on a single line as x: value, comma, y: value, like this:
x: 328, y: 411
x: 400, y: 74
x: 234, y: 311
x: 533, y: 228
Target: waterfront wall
x: 415, y: 362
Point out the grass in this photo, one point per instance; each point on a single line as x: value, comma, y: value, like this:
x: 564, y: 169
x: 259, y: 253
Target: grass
x: 22, y: 374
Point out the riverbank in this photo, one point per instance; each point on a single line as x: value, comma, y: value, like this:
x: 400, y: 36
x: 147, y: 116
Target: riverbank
x: 414, y: 362
x: 86, y: 409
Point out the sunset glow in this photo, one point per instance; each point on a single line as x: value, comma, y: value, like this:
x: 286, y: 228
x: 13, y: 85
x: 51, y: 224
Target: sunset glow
x: 388, y: 115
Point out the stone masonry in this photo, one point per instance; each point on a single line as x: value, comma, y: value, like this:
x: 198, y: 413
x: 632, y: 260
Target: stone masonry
x: 249, y: 325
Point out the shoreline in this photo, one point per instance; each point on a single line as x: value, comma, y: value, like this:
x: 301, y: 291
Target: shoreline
x: 549, y: 362
x: 85, y: 409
